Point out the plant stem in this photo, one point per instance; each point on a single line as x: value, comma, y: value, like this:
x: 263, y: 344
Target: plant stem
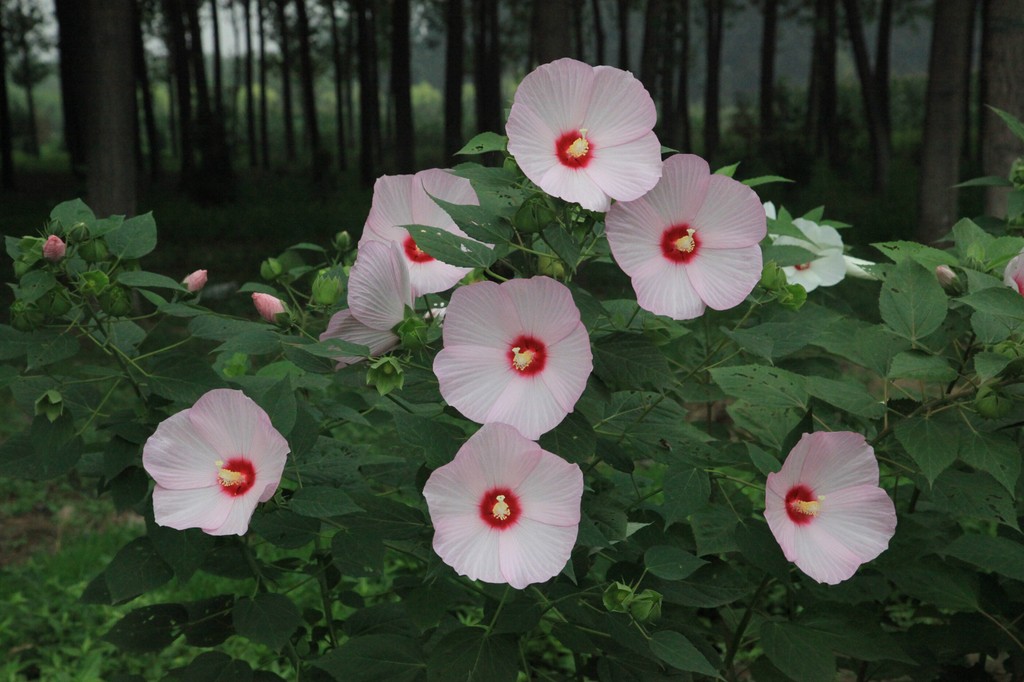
x: 737, y: 638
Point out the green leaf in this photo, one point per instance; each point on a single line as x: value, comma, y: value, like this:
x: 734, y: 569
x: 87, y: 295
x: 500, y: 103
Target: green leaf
x: 141, y: 278
x: 936, y: 583
x: 322, y: 502
x: 846, y: 395
x: 912, y: 302
x: 285, y: 528
x: 49, y: 347
x: 932, y: 442
x: 483, y: 143
x: 868, y: 345
x: 999, y: 313
x: 563, y: 244
x: 973, y: 495
x: 482, y: 223
x: 687, y: 489
x: 67, y: 213
x: 993, y: 453
x: 626, y: 361
x: 181, y: 376
x: 183, y: 550
x: 136, y: 569
x: 148, y: 629
x: 728, y: 171
x: 1011, y: 121
x: 269, y: 619
x: 134, y: 238
x: 764, y: 180
x: 35, y: 284
x: 572, y: 440
x: 438, y: 440
x: 214, y: 666
x: 279, y: 403
x: 373, y: 658
x: 987, y: 181
x: 762, y: 385
x: 471, y: 655
x: 451, y: 248
x: 928, y: 256
x: 788, y: 254
x: 990, y: 553
x: 920, y: 366
x: 671, y: 563
x: 676, y: 650
x: 802, y: 653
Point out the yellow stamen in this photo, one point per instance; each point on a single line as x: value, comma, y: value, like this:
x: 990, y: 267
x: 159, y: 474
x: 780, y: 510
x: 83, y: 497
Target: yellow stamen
x: 809, y: 507
x: 580, y: 146
x: 521, y: 359
x: 501, y: 510
x: 686, y: 243
x: 229, y: 478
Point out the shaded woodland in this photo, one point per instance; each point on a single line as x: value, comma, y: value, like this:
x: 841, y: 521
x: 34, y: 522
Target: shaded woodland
x: 204, y: 92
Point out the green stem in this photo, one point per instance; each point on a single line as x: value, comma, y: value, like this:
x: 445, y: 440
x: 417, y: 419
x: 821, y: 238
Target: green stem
x: 737, y: 638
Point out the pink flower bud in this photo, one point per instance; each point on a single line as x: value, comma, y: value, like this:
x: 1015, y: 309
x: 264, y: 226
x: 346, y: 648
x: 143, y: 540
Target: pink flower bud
x: 196, y: 281
x: 944, y: 274
x: 54, y: 248
x: 269, y: 307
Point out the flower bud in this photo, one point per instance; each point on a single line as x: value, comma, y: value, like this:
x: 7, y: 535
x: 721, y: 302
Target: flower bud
x: 617, y: 597
x: 54, y: 248
x: 343, y: 241
x: 773, y: 278
x: 55, y: 303
x: 269, y: 307
x: 51, y: 404
x: 93, y: 282
x: 412, y: 331
x: 271, y: 269
x: 552, y: 266
x: 385, y: 374
x: 793, y: 296
x: 534, y: 215
x: 945, y: 275
x: 327, y: 288
x: 646, y: 606
x: 1017, y: 173
x: 991, y: 403
x: 26, y: 317
x: 115, y: 301
x: 94, y: 250
x: 195, y: 281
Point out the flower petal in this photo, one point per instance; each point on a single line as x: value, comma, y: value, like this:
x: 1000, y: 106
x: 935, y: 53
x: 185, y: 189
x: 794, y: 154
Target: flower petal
x: 544, y: 307
x: 626, y: 171
x: 551, y: 492
x: 620, y: 109
x: 472, y: 379
x: 239, y: 515
x: 664, y: 288
x: 724, y: 277
x: 443, y: 185
x: 634, y: 230
x: 731, y: 216
x: 196, y: 508
x: 558, y: 93
x: 534, y: 552
x: 481, y: 314
x: 836, y: 460
x: 526, y: 403
x: 573, y: 184
x: 343, y: 325
x: 178, y: 458
x: 679, y: 195
x: 378, y: 285
x: 470, y: 546
x: 569, y: 364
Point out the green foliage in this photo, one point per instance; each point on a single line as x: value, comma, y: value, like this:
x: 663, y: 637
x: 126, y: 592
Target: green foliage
x: 674, y: 570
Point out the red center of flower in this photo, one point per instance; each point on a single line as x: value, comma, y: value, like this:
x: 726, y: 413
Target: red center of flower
x: 414, y: 253
x: 499, y: 508
x: 679, y: 243
x: 574, y: 149
x: 527, y: 355
x: 802, y: 266
x: 236, y: 476
x: 802, y: 504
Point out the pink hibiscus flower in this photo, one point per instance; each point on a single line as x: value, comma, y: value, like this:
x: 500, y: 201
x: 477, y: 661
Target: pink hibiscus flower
x: 213, y: 463
x: 378, y: 293
x: 825, y: 507
x: 690, y: 242
x: 504, y: 510
x: 585, y: 133
x: 405, y: 200
x: 514, y: 353
x: 1013, y: 275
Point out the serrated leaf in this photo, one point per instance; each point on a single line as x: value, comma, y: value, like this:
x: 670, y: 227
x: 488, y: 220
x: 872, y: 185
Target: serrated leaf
x: 35, y: 284
x: 990, y: 553
x: 937, y: 583
x: 920, y: 366
x: 932, y: 442
x: 134, y: 238
x: 846, y: 395
x: 67, y: 213
x: 136, y: 569
x: 483, y: 223
x: 671, y: 563
x: 912, y: 302
x: 450, y: 248
x: 183, y: 550
x: 676, y: 650
x: 993, y: 453
x: 436, y: 439
x: 148, y: 629
x: 285, y: 528
x: 269, y: 618
x: 48, y: 347
x: 625, y: 360
x: 687, y: 489
x: 973, y: 495
x: 322, y: 502
x: 483, y: 143
x: 141, y: 278
x: 928, y: 256
x: 563, y: 244
x: 373, y: 658
x: 764, y: 180
x: 1011, y: 121
x: 799, y: 652
x: 572, y: 440
x: 472, y: 655
x: 762, y: 385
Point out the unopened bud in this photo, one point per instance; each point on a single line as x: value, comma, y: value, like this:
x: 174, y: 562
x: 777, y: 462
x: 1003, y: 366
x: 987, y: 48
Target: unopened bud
x: 327, y: 288
x: 51, y: 404
x: 343, y: 241
x: 552, y: 266
x: 646, y: 606
x: 115, y: 301
x: 26, y: 316
x: 773, y: 278
x: 94, y: 250
x: 534, y: 215
x: 195, y: 281
x: 385, y: 374
x: 270, y: 308
x: 992, y: 403
x: 793, y: 296
x: 271, y: 269
x: 945, y: 275
x: 54, y: 248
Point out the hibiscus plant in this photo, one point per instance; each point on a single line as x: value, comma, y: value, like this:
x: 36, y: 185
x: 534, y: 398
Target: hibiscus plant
x: 592, y: 413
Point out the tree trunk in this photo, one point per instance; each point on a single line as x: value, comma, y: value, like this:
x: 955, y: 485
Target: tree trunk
x: 286, y: 83
x: 487, y: 67
x: 142, y: 80
x: 623, y: 16
x: 236, y: 85
x: 30, y: 100
x: 683, y: 86
x: 6, y: 150
x: 218, y: 70
x: 595, y: 6
x: 312, y: 129
x: 714, y: 10
x: 72, y: 47
x: 667, y: 60
x: 653, y: 45
x: 1002, y: 62
x: 250, y: 107
x: 455, y: 50
x: 766, y: 99
x: 369, y: 101
x: 183, y: 86
x: 552, y: 20
x: 883, y: 50
x: 869, y: 96
x: 261, y: 7
x: 944, y: 118
x: 821, y: 94
x: 110, y: 113
x: 339, y: 98
x: 401, y: 87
